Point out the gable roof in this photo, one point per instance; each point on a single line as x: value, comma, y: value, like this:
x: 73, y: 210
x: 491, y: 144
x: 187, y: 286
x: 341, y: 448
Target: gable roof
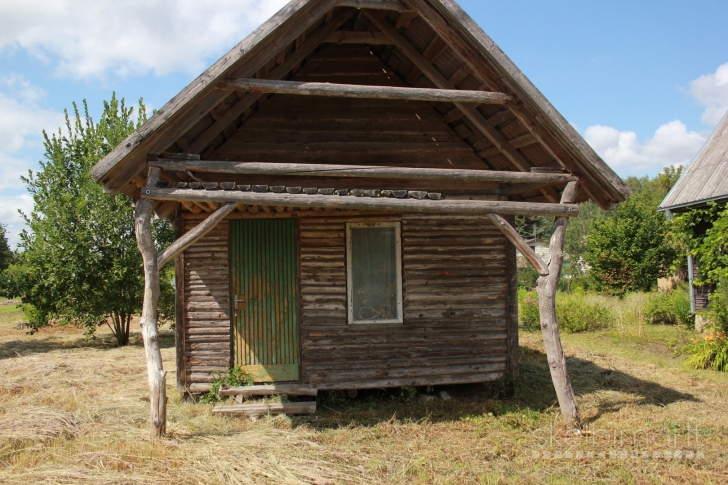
x: 436, y: 45
x: 706, y: 179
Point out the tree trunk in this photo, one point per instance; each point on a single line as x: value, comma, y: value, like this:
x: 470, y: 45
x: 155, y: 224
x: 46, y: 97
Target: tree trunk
x: 547, y: 286
x: 148, y: 322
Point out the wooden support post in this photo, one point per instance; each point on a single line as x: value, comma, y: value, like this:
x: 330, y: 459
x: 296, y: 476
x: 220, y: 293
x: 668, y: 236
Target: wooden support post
x: 362, y: 91
x: 508, y: 231
x: 148, y: 321
x: 194, y: 235
x: 547, y: 286
x: 513, y: 351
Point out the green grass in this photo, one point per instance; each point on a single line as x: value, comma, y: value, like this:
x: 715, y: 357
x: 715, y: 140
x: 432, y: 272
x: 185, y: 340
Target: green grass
x: 9, y: 312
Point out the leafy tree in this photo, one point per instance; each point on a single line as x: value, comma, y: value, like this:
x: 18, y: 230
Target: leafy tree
x: 79, y: 262
x: 6, y: 255
x: 628, y: 250
x: 530, y: 227
x: 577, y: 230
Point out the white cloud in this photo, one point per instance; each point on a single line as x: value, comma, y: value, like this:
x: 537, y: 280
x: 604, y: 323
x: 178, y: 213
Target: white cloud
x: 672, y: 144
x: 22, y: 121
x: 9, y: 205
x: 96, y: 38
x: 711, y: 91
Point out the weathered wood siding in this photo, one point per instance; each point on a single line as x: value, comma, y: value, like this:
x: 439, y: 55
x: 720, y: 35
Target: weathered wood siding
x: 455, y: 306
x: 207, y: 335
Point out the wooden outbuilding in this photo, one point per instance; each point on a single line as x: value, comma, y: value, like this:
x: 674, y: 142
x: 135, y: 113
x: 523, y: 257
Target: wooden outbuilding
x: 704, y: 181
x: 343, y: 183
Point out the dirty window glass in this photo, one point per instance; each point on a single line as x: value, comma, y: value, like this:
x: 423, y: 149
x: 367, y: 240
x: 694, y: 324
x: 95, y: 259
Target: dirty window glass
x: 374, y: 278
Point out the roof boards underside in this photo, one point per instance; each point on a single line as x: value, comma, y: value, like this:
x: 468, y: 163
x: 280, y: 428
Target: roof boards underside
x: 425, y: 43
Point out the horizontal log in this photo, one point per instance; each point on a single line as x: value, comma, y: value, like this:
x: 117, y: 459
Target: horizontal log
x: 332, y: 384
x: 270, y: 390
x: 395, y: 5
x: 308, y: 407
x: 358, y: 37
x: 368, y: 171
x: 367, y: 203
x: 362, y: 91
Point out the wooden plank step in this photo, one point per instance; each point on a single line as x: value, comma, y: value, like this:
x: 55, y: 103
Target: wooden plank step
x: 252, y: 410
x: 270, y: 390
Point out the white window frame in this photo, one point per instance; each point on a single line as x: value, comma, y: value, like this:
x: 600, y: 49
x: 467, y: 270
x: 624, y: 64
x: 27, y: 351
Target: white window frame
x: 350, y: 276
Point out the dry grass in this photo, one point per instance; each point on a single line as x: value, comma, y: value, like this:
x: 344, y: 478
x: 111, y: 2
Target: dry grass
x: 75, y: 412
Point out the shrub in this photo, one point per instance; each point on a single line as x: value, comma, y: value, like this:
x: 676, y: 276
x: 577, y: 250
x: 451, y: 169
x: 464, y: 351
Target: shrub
x: 709, y: 353
x: 719, y: 304
x: 582, y: 313
x: 528, y: 314
x: 669, y: 308
x: 235, y: 377
x: 527, y: 277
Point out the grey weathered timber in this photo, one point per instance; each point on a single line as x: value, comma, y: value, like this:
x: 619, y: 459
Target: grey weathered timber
x: 270, y: 390
x: 358, y: 37
x: 308, y: 407
x: 362, y: 171
x: 166, y: 255
x: 513, y: 349
x: 179, y: 308
x: 362, y: 91
x: 395, y: 5
x: 706, y: 179
x: 148, y: 320
x: 520, y: 244
x: 366, y: 203
x: 546, y: 288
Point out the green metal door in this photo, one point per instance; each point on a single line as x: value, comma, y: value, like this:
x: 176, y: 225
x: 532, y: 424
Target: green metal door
x: 265, y: 298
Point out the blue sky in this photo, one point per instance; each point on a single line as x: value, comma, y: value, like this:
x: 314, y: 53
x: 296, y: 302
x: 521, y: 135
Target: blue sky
x: 645, y: 82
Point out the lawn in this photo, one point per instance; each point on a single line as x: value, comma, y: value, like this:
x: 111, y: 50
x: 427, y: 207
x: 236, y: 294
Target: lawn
x: 73, y: 411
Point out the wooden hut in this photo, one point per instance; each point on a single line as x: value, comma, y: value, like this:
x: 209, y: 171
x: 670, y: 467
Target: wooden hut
x: 341, y: 183
x: 704, y: 181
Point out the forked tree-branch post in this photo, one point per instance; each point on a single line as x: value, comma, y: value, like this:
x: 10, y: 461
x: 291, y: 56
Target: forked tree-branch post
x: 547, y: 286
x: 148, y: 321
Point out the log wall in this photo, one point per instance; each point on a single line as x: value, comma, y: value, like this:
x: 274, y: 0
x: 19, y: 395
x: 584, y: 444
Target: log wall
x: 456, y: 306
x: 207, y: 335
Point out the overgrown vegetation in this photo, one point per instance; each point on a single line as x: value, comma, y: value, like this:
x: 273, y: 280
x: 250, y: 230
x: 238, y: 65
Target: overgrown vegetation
x: 235, y: 377
x: 78, y: 262
x: 669, y: 307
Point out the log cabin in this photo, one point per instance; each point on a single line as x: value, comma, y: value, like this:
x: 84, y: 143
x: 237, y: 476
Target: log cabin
x: 343, y: 184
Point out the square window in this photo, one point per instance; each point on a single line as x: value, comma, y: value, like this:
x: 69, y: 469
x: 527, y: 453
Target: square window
x: 374, y: 272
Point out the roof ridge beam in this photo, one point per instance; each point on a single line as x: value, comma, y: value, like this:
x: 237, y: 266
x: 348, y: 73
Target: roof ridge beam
x: 394, y: 5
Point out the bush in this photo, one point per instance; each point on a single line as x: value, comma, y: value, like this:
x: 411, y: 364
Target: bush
x: 581, y: 313
x: 719, y: 304
x: 709, y: 353
x: 527, y: 277
x: 669, y: 308
x: 528, y: 314
x: 236, y: 377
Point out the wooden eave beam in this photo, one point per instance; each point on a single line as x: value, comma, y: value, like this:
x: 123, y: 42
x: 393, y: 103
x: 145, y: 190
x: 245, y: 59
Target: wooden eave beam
x: 477, y: 119
x: 168, y: 254
x: 362, y: 91
x: 365, y: 203
x: 360, y: 171
x: 512, y: 235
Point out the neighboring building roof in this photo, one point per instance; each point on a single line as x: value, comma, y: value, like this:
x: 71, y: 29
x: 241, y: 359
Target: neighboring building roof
x: 706, y: 179
x: 528, y: 134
